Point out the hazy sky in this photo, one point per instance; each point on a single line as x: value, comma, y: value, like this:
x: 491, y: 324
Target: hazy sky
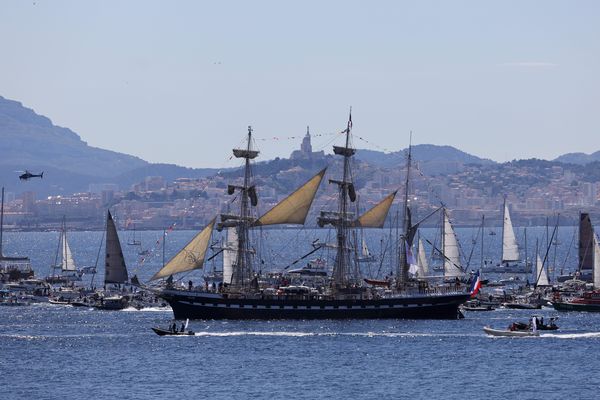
x: 180, y: 81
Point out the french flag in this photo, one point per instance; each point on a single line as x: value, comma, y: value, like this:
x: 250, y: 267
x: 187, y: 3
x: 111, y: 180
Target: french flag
x: 476, y: 285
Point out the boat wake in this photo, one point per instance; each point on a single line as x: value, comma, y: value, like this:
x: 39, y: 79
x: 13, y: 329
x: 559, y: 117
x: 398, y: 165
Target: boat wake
x: 148, y: 309
x: 584, y: 335
x: 330, y: 334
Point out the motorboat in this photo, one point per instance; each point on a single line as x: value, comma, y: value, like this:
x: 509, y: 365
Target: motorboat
x: 509, y: 333
x: 168, y: 332
x: 475, y: 305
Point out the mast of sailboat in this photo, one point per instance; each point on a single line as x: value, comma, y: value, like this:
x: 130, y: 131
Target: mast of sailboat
x: 243, y: 266
x: 526, y: 261
x: 502, y: 237
x: 64, y: 244
x: 1, y: 221
x: 482, y: 229
x: 97, y: 259
x: 403, y: 262
x: 164, y: 239
x: 443, y: 237
x: 342, y: 260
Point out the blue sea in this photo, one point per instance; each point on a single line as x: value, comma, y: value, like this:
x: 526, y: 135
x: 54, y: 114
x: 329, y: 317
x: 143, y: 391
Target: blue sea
x: 60, y: 352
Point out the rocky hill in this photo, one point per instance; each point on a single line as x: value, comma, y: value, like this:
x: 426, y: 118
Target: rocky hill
x: 578, y: 158
x: 31, y: 141
x: 431, y: 158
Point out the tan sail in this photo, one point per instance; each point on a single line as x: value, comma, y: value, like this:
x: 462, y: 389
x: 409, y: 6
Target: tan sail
x: 190, y: 257
x: 375, y: 217
x: 294, y: 208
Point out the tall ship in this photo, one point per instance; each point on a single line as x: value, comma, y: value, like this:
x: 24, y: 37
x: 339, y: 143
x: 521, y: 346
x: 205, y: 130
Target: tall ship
x: 248, y: 294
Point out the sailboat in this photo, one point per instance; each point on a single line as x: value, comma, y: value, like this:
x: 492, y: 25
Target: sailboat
x: 345, y: 296
x: 451, y: 250
x: 116, y: 269
x: 366, y: 255
x: 63, y: 261
x: 590, y: 300
x: 12, y: 268
x: 511, y: 260
x: 585, y: 266
x: 133, y: 241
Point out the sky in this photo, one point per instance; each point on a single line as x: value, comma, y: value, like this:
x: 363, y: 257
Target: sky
x: 180, y: 81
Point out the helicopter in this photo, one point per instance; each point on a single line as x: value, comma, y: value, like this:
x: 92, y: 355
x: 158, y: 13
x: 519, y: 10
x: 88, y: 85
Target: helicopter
x: 27, y: 175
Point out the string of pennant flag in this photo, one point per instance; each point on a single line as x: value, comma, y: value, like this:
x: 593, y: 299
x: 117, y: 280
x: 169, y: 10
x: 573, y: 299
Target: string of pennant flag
x: 155, y: 247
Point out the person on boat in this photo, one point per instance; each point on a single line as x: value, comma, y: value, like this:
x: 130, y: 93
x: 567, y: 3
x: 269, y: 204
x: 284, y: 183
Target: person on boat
x: 182, y: 327
x: 190, y: 285
x: 174, y: 327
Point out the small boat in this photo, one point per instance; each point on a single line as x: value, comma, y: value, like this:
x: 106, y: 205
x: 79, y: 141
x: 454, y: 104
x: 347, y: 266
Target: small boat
x: 522, y: 306
x: 509, y: 333
x: 167, y: 332
x: 59, y: 301
x: 378, y: 282
x: 589, y: 301
x: 112, y: 303
x: 172, y: 331
x: 475, y: 305
x: 316, y: 267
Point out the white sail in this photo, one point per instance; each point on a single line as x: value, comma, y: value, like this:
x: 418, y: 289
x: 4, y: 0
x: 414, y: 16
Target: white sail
x: 540, y: 273
x: 116, y: 270
x: 67, y: 264
x: 365, y: 249
x: 451, y: 250
x: 190, y: 257
x: 422, y: 263
x: 596, y: 263
x: 510, y: 248
x: 229, y: 254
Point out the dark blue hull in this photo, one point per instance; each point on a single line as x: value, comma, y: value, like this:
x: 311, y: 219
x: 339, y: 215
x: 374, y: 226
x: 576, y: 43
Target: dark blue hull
x: 196, y: 305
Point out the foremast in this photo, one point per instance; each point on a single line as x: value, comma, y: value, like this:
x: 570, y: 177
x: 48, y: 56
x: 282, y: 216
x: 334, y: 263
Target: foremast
x: 242, y: 274
x: 345, y: 271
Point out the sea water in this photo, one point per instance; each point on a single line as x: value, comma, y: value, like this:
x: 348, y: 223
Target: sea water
x: 61, y: 352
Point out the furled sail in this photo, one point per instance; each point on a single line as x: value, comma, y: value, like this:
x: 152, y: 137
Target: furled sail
x: 116, y: 270
x: 294, y: 208
x: 540, y: 273
x: 190, y: 257
x: 67, y: 263
x: 510, y: 248
x: 596, y: 263
x: 586, y: 250
x: 229, y: 254
x: 375, y: 217
x: 422, y: 263
x: 451, y: 250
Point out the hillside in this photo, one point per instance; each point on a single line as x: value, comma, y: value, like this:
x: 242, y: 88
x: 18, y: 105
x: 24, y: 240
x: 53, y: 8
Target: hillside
x: 578, y: 158
x: 31, y: 141
x: 432, y: 159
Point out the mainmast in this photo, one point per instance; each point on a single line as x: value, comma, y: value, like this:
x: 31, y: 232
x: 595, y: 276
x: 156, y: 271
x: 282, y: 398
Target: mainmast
x: 403, y: 267
x: 242, y: 270
x: 343, y: 273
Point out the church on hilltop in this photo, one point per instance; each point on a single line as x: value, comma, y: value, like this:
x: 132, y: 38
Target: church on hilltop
x: 305, y: 152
